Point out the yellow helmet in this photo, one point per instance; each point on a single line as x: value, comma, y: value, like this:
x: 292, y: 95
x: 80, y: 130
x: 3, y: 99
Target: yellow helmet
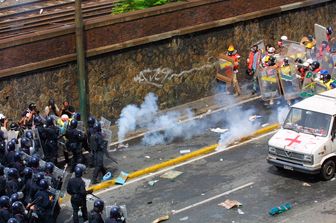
x: 309, y: 45
x: 231, y: 48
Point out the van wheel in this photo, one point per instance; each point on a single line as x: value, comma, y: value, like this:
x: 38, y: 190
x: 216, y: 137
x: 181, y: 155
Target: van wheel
x: 279, y: 168
x: 328, y: 170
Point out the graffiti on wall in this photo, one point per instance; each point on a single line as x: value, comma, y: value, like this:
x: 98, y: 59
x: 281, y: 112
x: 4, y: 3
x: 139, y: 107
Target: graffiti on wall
x: 157, y: 77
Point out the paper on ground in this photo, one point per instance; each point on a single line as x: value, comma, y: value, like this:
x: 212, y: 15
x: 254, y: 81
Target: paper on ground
x: 228, y: 204
x: 171, y: 174
x: 219, y: 130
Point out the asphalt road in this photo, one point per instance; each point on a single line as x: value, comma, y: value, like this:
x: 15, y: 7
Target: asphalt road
x: 240, y: 173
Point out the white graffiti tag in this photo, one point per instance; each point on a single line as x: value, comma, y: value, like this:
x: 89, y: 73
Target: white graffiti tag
x: 157, y: 77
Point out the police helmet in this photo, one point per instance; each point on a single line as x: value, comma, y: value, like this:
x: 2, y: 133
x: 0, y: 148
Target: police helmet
x: 13, y: 172
x: 115, y: 212
x: 98, y: 205
x: 78, y: 171
x: 10, y: 146
x: 77, y: 116
x: 310, y: 37
x: 43, y: 184
x: 73, y: 123
x: 14, y: 126
x: 286, y: 61
x: 39, y: 176
x: 49, y: 121
x: 2, y: 170
x: 4, y: 201
x: 315, y: 65
x: 91, y: 121
x: 25, y: 142
x: 29, y: 135
x: 18, y: 156
x: 38, y: 120
x: 12, y: 220
x: 18, y: 208
x: 97, y: 127
x: 329, y: 30
x: 49, y: 167
x: 28, y: 172
x: 2, y: 147
x: 32, y: 106
x: 34, y: 162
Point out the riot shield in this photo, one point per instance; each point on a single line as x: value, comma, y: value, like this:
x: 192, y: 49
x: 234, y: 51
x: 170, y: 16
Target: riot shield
x: 37, y: 145
x: 290, y: 83
x: 224, y: 69
x: 311, y: 87
x: 107, y: 134
x: 320, y: 34
x: 332, y: 44
x: 327, y: 62
x: 268, y: 83
x: 12, y: 134
x: 261, y: 47
x: 105, y: 123
x: 295, y: 50
x: 80, y: 126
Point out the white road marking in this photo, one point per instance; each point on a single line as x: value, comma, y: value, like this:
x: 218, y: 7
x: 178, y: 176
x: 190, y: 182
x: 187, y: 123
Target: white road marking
x: 212, y: 198
x: 181, y: 164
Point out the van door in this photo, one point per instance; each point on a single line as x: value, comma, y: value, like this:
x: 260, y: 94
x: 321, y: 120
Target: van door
x: 333, y: 135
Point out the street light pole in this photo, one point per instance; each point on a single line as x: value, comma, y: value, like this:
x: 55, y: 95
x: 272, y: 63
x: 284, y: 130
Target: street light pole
x: 81, y: 62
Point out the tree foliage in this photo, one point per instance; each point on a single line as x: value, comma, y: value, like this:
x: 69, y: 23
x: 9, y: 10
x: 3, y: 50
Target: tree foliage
x: 132, y: 5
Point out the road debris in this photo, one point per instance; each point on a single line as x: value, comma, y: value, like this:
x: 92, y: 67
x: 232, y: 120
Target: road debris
x: 121, y: 179
x: 240, y: 211
x: 264, y: 125
x: 184, y: 151
x: 122, y: 146
x: 171, y: 174
x: 152, y: 182
x: 184, y: 218
x: 280, y: 209
x: 228, y: 204
x: 333, y: 179
x: 41, y: 11
x: 252, y: 118
x: 147, y: 157
x: 160, y: 219
x: 221, y: 159
x: 219, y: 130
x: 306, y: 184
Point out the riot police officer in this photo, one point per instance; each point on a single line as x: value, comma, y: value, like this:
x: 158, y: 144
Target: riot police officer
x: 25, y: 145
x: 12, y: 220
x: 43, y: 203
x: 116, y: 215
x: 51, y: 146
x: 18, y: 211
x: 19, y: 165
x: 99, y: 148
x: 13, y: 185
x: 28, y: 189
x: 74, y: 144
x: 9, y: 156
x: 4, y: 209
x: 2, y: 181
x: 76, y: 188
x: 95, y: 213
x: 34, y: 163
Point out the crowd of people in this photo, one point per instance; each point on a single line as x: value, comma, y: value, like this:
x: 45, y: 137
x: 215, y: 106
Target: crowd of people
x: 31, y: 176
x: 291, y: 66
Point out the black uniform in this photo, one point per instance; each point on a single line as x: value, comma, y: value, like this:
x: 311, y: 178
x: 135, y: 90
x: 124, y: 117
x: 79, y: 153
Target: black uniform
x: 98, y: 147
x: 4, y: 214
x: 95, y: 217
x: 21, y: 218
x: 110, y: 220
x: 44, y: 206
x: 51, y: 146
x: 9, y: 158
x: 12, y: 186
x: 2, y: 185
x: 74, y: 144
x: 76, y: 188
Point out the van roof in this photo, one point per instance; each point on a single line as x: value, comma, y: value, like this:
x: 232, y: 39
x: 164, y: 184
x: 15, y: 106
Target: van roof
x: 323, y: 103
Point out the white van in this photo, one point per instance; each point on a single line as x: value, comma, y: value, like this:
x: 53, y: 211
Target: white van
x: 306, y: 141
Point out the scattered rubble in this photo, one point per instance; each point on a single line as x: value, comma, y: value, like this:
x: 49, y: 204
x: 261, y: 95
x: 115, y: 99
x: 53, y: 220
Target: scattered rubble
x: 152, y: 182
x: 306, y: 184
x: 121, y: 179
x: 171, y: 174
x: 160, y: 219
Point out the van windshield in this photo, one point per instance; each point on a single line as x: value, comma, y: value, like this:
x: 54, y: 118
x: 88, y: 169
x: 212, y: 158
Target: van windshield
x: 309, y: 122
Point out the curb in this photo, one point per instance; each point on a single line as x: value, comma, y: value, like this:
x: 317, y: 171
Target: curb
x: 182, y: 158
x: 177, y: 160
